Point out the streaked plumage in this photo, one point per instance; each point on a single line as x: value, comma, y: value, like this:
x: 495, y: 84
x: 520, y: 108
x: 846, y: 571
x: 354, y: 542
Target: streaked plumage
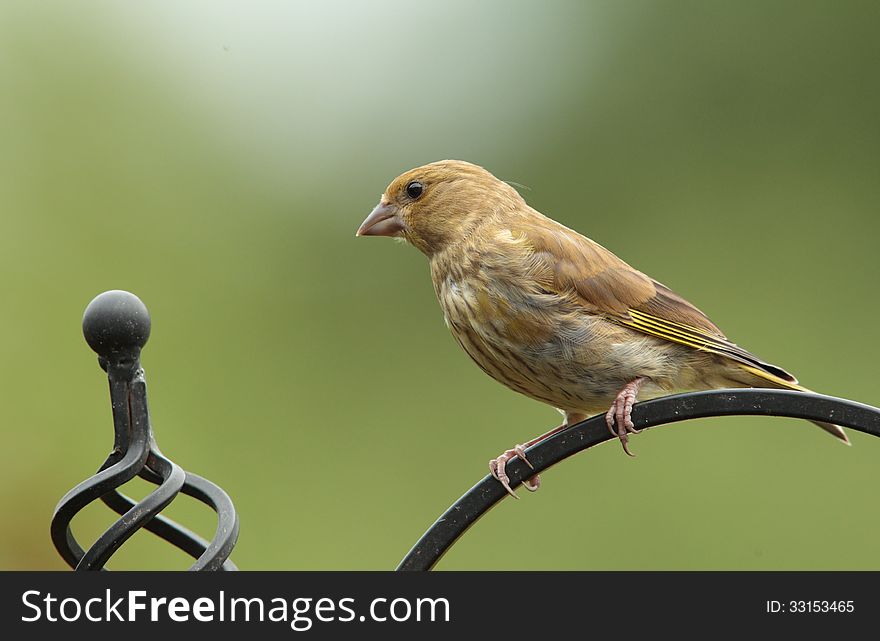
x: 550, y: 313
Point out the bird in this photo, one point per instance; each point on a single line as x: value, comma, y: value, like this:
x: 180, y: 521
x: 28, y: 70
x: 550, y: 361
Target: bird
x: 552, y: 314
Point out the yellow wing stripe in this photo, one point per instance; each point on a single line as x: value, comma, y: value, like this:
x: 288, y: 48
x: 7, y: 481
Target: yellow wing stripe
x: 689, y: 328
x: 701, y: 340
x: 646, y: 329
x: 651, y: 325
x: 688, y: 331
x: 675, y: 338
x: 698, y: 339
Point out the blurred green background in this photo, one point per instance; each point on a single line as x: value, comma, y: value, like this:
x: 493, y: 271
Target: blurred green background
x: 216, y: 158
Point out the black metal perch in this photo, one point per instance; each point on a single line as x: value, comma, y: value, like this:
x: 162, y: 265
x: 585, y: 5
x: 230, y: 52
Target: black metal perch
x: 662, y: 411
x: 116, y: 325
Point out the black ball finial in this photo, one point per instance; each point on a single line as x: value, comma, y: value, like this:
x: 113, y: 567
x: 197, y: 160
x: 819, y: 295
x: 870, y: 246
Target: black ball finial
x: 116, y: 322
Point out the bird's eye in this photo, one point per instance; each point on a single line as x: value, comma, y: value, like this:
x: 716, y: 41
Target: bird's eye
x: 414, y: 189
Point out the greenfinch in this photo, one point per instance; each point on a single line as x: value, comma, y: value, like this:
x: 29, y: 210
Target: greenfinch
x: 552, y: 314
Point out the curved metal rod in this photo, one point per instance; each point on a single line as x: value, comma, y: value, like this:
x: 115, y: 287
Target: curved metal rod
x: 115, y: 471
x: 83, y: 494
x: 186, y: 540
x: 118, y: 533
x: 662, y: 411
x: 172, y: 479
x: 209, y: 556
x: 215, y: 556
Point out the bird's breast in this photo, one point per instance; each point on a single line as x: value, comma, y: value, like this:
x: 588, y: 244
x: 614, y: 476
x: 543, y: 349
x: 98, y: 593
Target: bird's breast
x: 495, y: 312
x: 537, y: 344
x: 527, y: 341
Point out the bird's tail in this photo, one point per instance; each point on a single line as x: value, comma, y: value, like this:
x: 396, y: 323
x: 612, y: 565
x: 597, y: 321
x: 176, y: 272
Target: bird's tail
x: 790, y: 382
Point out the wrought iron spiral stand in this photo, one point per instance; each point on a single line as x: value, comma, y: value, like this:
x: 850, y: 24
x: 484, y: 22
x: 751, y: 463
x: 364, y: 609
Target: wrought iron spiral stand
x: 116, y: 325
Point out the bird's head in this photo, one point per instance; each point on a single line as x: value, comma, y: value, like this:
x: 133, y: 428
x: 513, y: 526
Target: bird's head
x: 439, y: 204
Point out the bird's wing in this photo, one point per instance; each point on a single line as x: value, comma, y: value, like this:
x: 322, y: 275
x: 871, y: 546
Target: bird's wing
x: 603, y: 283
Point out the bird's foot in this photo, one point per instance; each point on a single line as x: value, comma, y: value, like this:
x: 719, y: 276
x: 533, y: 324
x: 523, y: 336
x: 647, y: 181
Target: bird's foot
x: 620, y: 413
x: 498, y: 466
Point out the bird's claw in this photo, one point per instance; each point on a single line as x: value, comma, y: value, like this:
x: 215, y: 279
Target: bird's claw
x: 498, y: 469
x: 619, y: 415
x: 520, y: 451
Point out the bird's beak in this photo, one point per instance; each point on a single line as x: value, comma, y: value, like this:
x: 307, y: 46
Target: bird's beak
x: 382, y: 221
